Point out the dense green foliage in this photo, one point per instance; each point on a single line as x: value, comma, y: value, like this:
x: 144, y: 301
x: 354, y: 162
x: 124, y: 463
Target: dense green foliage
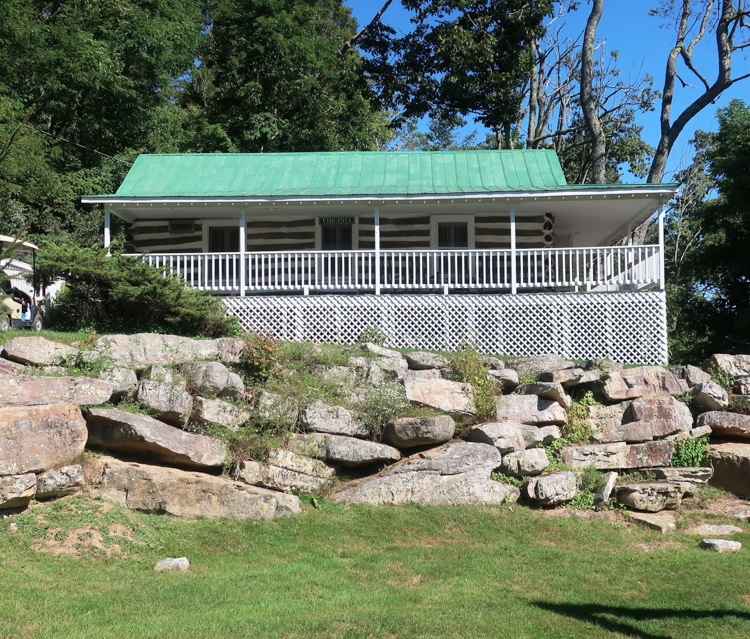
x: 122, y: 294
x: 690, y: 452
x: 466, y: 57
x: 84, y: 87
x: 708, y: 233
x: 271, y: 79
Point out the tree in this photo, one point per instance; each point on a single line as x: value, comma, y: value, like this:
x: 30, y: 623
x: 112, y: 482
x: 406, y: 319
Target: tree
x: 708, y: 240
x: 465, y: 58
x: 86, y: 82
x: 695, y: 20
x: 275, y: 75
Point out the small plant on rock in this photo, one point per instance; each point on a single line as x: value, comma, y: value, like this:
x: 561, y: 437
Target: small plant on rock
x: 385, y: 403
x: 690, y: 452
x: 722, y: 378
x: 373, y: 335
x: 591, y: 480
x: 467, y: 365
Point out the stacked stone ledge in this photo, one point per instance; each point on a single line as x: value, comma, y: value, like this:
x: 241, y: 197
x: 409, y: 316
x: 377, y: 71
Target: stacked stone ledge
x: 164, y: 467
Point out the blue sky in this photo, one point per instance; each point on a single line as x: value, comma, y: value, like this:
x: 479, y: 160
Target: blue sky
x: 643, y: 43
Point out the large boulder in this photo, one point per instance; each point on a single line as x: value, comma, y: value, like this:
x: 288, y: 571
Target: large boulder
x: 207, y: 379
x: 141, y: 350
x: 600, y: 456
x: 649, y: 454
x: 535, y: 435
x: 731, y: 464
x: 734, y: 365
x: 547, y: 390
x: 37, y: 390
x: 37, y: 438
x: 525, y: 462
x: 444, y: 394
x: 552, y: 490
x: 189, y: 494
x: 507, y: 437
x: 506, y: 377
x: 287, y: 471
x: 529, y: 409
x: 37, y: 351
x: 217, y: 412
x: 336, y: 420
x: 726, y: 424
x: 421, y: 360
x: 407, y: 432
x: 570, y: 377
x: 533, y: 366
x: 142, y: 436
x: 124, y: 381
x: 642, y: 381
x: 16, y: 491
x: 457, y: 473
x: 660, y: 416
x: 651, y: 497
x: 710, y: 396
x: 60, y: 482
x: 345, y: 451
x: 167, y: 402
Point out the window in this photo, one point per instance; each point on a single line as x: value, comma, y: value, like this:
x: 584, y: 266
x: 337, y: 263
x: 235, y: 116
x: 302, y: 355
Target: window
x: 223, y: 239
x: 453, y: 235
x: 336, y: 237
x: 452, y: 232
x: 336, y: 233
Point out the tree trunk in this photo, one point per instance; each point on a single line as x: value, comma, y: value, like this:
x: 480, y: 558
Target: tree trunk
x: 594, y: 128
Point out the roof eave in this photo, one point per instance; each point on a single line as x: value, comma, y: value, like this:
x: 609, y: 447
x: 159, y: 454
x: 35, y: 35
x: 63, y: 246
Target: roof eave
x: 575, y: 192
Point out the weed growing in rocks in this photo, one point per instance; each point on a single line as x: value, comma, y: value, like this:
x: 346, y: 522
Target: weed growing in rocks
x: 690, y: 452
x: 467, y: 365
x: 591, y: 480
x: 373, y: 335
x: 260, y: 356
x: 722, y: 378
x: 385, y: 403
x: 577, y: 431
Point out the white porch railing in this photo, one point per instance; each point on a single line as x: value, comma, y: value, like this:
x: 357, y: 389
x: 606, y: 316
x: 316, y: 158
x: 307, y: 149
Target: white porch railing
x: 613, y: 268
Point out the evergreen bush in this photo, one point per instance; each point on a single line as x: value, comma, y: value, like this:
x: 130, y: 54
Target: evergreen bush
x: 122, y: 294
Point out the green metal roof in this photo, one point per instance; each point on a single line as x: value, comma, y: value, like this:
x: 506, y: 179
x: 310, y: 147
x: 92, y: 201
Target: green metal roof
x: 312, y: 175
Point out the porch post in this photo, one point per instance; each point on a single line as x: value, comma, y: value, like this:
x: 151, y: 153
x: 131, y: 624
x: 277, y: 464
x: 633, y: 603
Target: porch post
x: 662, y: 279
x: 513, y: 274
x: 377, y: 251
x: 243, y: 240
x: 107, y: 223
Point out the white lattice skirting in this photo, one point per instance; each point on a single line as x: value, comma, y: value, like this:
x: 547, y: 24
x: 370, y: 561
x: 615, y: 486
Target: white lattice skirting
x: 626, y: 327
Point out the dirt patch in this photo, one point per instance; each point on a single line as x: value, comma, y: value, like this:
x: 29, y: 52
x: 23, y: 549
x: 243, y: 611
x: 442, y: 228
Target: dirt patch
x: 77, y: 542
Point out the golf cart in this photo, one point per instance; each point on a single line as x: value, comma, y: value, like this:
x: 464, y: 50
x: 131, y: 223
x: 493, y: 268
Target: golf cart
x: 17, y: 308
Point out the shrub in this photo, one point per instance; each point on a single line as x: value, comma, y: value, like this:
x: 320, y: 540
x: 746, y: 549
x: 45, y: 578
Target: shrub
x: 123, y: 294
x: 690, y: 452
x: 467, y: 365
x: 259, y: 356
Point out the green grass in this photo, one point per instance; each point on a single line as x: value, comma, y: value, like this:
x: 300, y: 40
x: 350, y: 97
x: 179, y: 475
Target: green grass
x: 366, y: 572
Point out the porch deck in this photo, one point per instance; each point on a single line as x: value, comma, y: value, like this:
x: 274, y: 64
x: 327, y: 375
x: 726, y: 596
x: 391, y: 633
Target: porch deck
x: 614, y: 268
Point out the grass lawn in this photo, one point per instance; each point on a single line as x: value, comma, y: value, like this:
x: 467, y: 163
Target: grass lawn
x: 82, y: 568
